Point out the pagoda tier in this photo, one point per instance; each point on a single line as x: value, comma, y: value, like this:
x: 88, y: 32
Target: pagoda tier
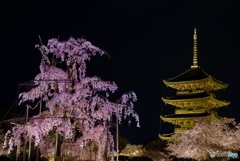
x: 195, y: 100
x: 195, y: 78
x: 183, y: 122
x: 187, y: 120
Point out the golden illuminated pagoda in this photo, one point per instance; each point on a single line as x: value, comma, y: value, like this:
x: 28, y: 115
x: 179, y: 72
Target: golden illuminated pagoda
x: 195, y: 96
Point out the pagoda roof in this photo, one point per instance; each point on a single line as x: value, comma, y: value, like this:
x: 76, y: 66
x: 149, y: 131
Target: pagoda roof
x: 166, y: 136
x: 195, y: 100
x: 175, y: 118
x: 195, y: 76
x: 189, y: 96
x: 186, y: 116
x: 191, y: 74
x: 172, y: 118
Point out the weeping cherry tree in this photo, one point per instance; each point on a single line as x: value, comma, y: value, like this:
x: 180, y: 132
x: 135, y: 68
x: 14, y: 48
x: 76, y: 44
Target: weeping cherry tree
x: 76, y: 107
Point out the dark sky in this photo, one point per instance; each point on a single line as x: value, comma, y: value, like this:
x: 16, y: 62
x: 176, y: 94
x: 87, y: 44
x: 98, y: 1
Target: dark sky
x: 148, y: 41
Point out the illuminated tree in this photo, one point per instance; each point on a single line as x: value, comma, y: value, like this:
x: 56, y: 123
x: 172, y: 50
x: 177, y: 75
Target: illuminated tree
x: 148, y: 151
x: 218, y: 136
x: 77, y: 107
x: 154, y: 149
x: 133, y: 150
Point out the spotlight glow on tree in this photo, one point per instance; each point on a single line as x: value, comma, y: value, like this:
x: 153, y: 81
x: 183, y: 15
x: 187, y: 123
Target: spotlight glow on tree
x: 77, y: 107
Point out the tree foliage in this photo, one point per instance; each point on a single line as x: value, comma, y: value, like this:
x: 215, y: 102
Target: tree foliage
x: 77, y: 107
x: 218, y: 136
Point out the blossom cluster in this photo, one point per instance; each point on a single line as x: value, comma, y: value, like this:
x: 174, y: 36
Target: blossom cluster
x: 215, y: 136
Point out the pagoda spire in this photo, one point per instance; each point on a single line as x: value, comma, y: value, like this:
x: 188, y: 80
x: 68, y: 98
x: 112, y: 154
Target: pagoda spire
x: 195, y: 51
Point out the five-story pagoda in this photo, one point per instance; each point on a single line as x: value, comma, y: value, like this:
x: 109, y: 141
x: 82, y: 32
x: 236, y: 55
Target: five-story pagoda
x: 195, y: 96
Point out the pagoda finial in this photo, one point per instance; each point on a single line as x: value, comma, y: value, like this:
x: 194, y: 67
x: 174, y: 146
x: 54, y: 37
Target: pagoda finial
x: 195, y: 51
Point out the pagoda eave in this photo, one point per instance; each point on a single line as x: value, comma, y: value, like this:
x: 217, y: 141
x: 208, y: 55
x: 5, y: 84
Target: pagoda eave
x: 207, y: 83
x: 165, y: 136
x: 176, y: 120
x: 169, y: 118
x: 208, y: 102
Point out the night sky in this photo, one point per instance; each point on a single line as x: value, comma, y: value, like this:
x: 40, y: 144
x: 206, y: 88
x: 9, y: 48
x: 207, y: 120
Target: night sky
x: 148, y: 41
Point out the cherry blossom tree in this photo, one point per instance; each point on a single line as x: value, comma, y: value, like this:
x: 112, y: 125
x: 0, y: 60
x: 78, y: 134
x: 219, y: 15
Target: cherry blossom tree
x: 216, y: 136
x: 77, y: 107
